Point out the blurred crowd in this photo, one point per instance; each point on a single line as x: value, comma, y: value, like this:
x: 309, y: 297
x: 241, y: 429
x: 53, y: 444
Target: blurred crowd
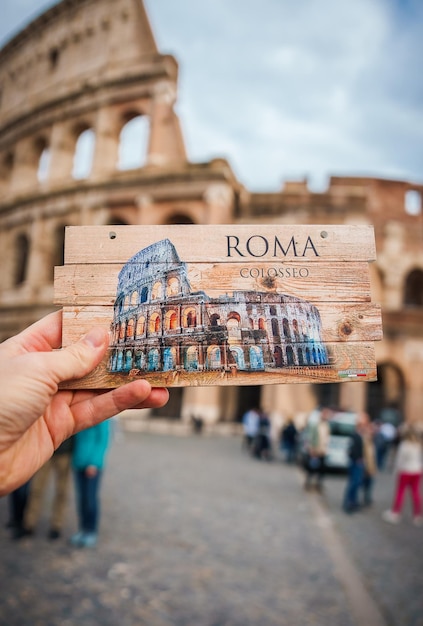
x: 362, y: 447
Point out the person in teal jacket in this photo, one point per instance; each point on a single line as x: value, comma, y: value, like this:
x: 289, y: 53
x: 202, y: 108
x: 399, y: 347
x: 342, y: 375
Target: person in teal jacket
x: 90, y: 448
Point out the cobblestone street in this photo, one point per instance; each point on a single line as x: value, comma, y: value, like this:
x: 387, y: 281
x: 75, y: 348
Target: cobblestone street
x: 196, y: 533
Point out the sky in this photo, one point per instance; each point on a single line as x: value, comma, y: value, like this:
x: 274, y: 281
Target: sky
x: 288, y: 89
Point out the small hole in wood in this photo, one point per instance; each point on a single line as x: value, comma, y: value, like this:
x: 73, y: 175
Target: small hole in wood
x: 112, y: 235
x: 323, y: 234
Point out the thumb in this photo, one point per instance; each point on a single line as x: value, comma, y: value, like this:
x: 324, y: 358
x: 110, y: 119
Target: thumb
x: 80, y: 358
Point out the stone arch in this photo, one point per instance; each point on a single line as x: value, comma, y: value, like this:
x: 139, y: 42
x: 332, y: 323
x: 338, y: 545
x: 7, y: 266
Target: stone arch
x: 290, y: 357
x: 237, y: 354
x: 140, y: 329
x: 189, y: 317
x: 21, y: 259
x: 256, y: 358
x: 173, y: 286
x: 262, y: 323
x: 387, y: 392
x: 128, y: 360
x: 413, y: 288
x: 278, y: 356
x: 133, y: 141
x: 84, y: 153
x: 169, y: 358
x: 171, y: 320
x: 215, y: 319
x: 153, y: 360
x: 155, y: 323
x: 286, y: 329
x: 139, y: 359
x: 191, y: 358
x: 214, y: 357
x: 130, y: 329
x: 157, y: 291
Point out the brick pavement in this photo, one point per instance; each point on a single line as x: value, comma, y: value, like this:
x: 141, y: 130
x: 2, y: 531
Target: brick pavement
x: 196, y: 533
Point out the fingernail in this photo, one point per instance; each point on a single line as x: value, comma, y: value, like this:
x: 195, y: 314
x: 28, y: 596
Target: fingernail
x: 95, y: 337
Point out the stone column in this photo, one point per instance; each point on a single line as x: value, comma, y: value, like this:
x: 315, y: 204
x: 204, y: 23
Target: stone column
x: 219, y: 199
x: 24, y: 171
x: 62, y: 151
x: 106, y: 143
x: 165, y: 143
x: 39, y: 264
x: 352, y: 396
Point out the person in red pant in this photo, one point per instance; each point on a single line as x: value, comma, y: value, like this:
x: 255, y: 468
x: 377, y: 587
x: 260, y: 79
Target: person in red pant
x: 409, y: 468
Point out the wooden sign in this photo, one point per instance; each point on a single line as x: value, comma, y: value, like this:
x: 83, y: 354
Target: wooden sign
x: 222, y: 305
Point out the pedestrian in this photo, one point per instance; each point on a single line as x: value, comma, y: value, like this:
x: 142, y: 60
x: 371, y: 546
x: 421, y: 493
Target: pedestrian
x: 250, y: 425
x: 356, y: 465
x: 316, y: 448
x: 408, y: 468
x: 262, y: 447
x: 288, y: 441
x: 88, y: 459
x: 59, y: 465
x: 35, y: 416
x: 369, y: 459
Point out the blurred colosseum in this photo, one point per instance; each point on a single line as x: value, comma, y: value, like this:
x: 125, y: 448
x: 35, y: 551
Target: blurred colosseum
x: 76, y: 85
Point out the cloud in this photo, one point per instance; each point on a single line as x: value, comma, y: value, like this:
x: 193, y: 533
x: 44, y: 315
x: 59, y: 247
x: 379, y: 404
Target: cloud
x: 312, y: 86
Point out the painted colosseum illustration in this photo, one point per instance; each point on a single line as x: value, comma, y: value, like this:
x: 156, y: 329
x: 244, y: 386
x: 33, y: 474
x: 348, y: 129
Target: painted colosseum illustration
x: 160, y: 324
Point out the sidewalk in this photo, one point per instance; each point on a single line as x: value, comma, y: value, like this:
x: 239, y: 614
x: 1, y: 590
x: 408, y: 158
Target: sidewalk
x: 196, y: 533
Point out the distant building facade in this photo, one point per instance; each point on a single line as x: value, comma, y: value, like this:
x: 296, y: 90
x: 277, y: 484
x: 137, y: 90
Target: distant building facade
x: 74, y: 84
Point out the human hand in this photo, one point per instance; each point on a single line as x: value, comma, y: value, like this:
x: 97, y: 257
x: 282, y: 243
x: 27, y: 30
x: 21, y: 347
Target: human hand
x: 35, y: 417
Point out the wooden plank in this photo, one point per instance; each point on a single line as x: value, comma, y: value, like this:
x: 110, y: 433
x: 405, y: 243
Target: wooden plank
x: 82, y: 285
x: 233, y: 243
x: 340, y: 321
x: 225, y: 305
x: 349, y: 362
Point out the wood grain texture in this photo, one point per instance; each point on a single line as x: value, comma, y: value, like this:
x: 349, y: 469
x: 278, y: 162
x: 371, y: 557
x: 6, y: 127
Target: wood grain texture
x: 340, y: 321
x: 317, y: 282
x: 197, y: 243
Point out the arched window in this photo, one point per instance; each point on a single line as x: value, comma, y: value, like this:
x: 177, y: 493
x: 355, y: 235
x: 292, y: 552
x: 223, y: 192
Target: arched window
x: 169, y: 359
x: 84, y: 153
x: 139, y: 359
x: 300, y: 357
x: 237, y: 355
x: 286, y: 330
x: 171, y: 320
x: 172, y: 286
x: 144, y: 295
x: 295, y: 327
x: 133, y: 142
x: 153, y: 360
x: 261, y: 324
x: 157, y: 291
x: 121, y: 331
x: 413, y: 291
x: 155, y: 323
x: 189, y: 318
x: 128, y: 360
x: 126, y: 302
x: 22, y: 257
x: 134, y: 298
x: 275, y: 327
x: 215, y: 319
x: 256, y: 358
x: 290, y: 355
x: 277, y: 354
x: 130, y: 329
x: 191, y: 358
x: 272, y: 310
x: 250, y: 319
x: 140, y: 326
x: 214, y: 357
